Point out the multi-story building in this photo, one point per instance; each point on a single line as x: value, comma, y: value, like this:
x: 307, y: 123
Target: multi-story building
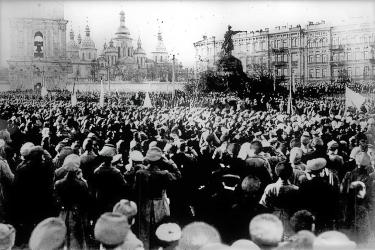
x: 317, y: 52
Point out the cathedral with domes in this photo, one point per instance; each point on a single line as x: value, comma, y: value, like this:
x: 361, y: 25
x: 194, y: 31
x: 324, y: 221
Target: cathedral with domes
x: 118, y: 60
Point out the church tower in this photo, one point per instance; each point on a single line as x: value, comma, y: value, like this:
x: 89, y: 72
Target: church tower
x: 38, y: 50
x: 140, y: 55
x: 160, y: 54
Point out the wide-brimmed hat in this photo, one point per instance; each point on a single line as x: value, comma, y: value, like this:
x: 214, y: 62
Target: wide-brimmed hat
x: 108, y: 150
x: 333, y: 240
x: 136, y: 156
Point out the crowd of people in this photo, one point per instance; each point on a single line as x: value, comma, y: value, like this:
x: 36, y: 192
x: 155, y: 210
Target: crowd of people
x: 197, y: 171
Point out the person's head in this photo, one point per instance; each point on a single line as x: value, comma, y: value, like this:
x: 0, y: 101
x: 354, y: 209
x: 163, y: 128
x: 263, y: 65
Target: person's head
x: 303, y: 240
x: 362, y: 142
x: 295, y: 155
x: 302, y: 220
x: 244, y: 245
x: 256, y: 146
x: 154, y: 154
x: 284, y: 170
x: 333, y: 147
x: 357, y: 189
x: 25, y: 149
x: 7, y: 236
x: 87, y: 145
x: 317, y: 143
x: 168, y: 235
x: 266, y: 230
x: 362, y: 159
x: 49, y: 234
x: 111, y: 230
x: 333, y: 240
x: 315, y: 166
x: 126, y: 208
x: 196, y: 235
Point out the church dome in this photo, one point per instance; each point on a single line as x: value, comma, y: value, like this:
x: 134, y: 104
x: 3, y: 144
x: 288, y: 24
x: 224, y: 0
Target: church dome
x: 87, y: 42
x: 122, y: 30
x: 160, y: 47
x: 110, y: 48
x: 139, y: 50
x: 72, y: 46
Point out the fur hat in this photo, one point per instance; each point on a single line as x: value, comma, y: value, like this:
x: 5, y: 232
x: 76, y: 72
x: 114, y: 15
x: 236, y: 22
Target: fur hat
x: 198, y: 234
x: 26, y: 148
x: 316, y: 164
x: 72, y: 162
x: 295, y: 154
x: 126, y: 207
x: 245, y: 245
x: 154, y: 154
x: 48, y: 234
x: 333, y: 240
x: 111, y: 229
x: 7, y: 236
x: 266, y: 230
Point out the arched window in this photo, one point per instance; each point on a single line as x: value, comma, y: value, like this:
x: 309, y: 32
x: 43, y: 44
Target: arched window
x: 38, y: 45
x: 83, y: 56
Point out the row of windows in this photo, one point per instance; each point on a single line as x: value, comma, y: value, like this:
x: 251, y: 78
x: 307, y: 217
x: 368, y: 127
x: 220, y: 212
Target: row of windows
x: 317, y: 73
x: 356, y: 55
x: 318, y: 58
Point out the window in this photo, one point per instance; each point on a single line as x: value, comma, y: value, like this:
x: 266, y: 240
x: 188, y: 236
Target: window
x: 278, y: 44
x: 318, y: 59
x: 324, y: 57
x: 335, y: 57
x: 294, y: 42
x: 342, y: 56
x: 285, y: 58
x: 335, y: 72
x: 357, y: 54
x: 311, y: 73
x: 83, y: 56
x: 365, y: 55
x: 311, y: 59
x: 279, y: 72
x: 285, y: 72
x: 366, y: 71
x: 349, y: 56
x: 350, y: 71
x: 272, y: 44
x: 317, y: 72
x: 285, y: 43
x: 324, y: 72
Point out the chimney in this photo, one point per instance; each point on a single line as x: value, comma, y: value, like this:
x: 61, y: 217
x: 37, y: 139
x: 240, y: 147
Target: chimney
x: 311, y: 23
x: 204, y: 37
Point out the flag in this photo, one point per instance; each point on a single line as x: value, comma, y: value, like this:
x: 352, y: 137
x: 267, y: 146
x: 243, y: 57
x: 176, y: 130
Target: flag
x: 353, y: 99
x: 147, y: 102
x: 101, y: 99
x: 44, y: 92
x: 74, y: 99
x: 289, y: 109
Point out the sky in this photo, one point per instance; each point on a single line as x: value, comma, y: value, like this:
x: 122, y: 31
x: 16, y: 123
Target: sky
x: 184, y: 22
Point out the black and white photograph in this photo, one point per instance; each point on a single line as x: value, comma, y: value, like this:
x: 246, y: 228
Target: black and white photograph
x: 187, y: 125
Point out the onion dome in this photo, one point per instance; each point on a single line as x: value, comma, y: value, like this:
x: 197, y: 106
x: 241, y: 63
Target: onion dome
x: 160, y: 47
x: 122, y: 30
x: 87, y: 43
x: 139, y: 50
x: 111, y: 48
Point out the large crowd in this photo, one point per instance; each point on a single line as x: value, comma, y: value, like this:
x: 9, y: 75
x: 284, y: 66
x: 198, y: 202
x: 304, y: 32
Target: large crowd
x: 196, y: 171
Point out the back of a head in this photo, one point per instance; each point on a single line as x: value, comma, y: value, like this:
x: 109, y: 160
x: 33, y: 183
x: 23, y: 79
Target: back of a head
x: 284, y: 170
x: 49, y: 234
x: 196, y: 235
x: 256, y: 146
x: 266, y: 230
x: 244, y: 245
x: 87, y: 144
x: 333, y: 240
x: 302, y: 220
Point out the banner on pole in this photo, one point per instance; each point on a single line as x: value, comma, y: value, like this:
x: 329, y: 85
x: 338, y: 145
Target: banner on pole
x: 353, y: 99
x: 101, y: 99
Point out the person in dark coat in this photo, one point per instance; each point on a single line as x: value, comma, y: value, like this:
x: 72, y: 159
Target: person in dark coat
x: 73, y: 196
x: 89, y: 160
x: 318, y: 196
x: 150, y: 186
x: 33, y: 185
x: 108, y: 183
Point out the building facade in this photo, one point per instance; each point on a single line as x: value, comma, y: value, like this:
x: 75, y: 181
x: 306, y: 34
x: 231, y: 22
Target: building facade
x: 38, y: 49
x: 318, y: 52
